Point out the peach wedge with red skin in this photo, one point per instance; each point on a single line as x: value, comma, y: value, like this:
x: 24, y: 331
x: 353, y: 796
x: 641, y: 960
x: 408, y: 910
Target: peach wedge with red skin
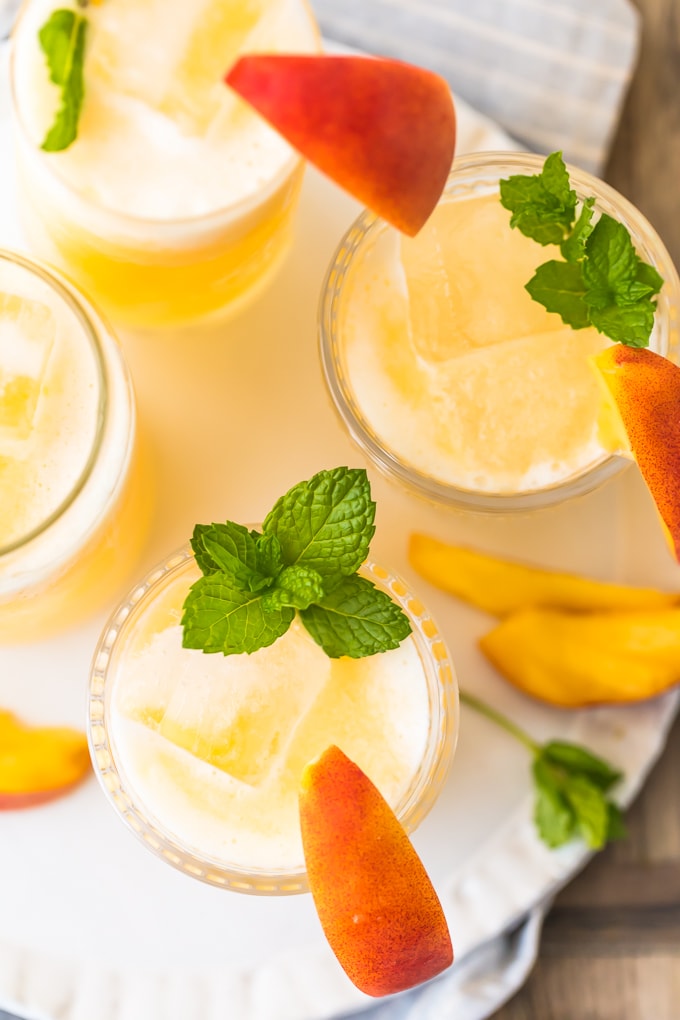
x: 382, y: 129
x: 376, y: 904
x: 646, y: 390
x: 38, y: 764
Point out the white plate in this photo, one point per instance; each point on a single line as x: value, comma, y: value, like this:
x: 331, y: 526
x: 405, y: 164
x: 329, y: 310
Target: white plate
x: 92, y: 926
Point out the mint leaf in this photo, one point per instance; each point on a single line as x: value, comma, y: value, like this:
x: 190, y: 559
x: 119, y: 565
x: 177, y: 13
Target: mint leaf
x: 543, y: 206
x: 553, y: 816
x: 325, y: 523
x: 611, y: 261
x: 296, y: 586
x: 590, y: 808
x: 576, y: 758
x: 238, y: 554
x: 560, y: 288
x: 617, y: 826
x: 574, y: 248
x: 218, y: 617
x: 649, y: 277
x: 603, y: 282
x: 356, y: 619
x: 630, y: 324
x: 62, y: 40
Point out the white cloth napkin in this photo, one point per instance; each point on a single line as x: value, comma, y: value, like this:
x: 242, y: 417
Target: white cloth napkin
x: 553, y: 73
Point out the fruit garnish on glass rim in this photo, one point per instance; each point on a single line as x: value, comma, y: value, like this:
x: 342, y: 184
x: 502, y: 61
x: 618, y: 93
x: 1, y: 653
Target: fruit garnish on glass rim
x: 376, y: 904
x: 304, y: 561
x: 382, y: 129
x: 642, y: 414
x: 38, y: 764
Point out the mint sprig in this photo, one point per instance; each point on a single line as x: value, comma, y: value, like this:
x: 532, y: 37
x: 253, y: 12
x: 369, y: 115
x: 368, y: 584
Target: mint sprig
x: 305, y: 561
x: 571, y: 784
x: 62, y: 40
x: 602, y: 281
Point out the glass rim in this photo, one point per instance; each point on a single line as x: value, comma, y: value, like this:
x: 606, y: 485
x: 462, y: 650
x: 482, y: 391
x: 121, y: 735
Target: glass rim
x: 78, y: 308
x: 387, y: 462
x: 244, y: 205
x: 414, y: 805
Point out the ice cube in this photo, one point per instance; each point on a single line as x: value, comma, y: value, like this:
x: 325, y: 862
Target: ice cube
x: 466, y: 272
x: 27, y: 333
x: 240, y: 713
x: 173, y: 55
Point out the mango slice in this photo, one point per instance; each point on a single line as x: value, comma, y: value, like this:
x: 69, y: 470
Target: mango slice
x: 38, y: 764
x: 376, y: 904
x: 501, y: 586
x: 575, y: 660
x: 383, y: 130
x: 645, y: 388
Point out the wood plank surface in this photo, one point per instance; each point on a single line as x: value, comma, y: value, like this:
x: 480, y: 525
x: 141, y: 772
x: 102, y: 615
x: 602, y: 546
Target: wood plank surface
x: 611, y: 944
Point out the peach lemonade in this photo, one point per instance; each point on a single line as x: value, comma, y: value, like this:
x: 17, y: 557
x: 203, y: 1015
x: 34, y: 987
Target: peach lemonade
x: 462, y: 368
x: 203, y: 753
x: 163, y: 195
x: 73, y: 508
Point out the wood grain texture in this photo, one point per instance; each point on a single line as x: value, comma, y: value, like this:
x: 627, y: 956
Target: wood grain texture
x: 611, y: 945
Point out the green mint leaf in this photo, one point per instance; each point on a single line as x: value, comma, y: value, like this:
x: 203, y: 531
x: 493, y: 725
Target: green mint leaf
x: 611, y: 261
x: 560, y: 288
x: 591, y: 809
x: 235, y: 552
x: 219, y: 618
x: 296, y: 586
x: 553, y: 816
x: 62, y: 39
x: 579, y: 759
x: 356, y: 619
x: 627, y: 324
x: 543, y: 206
x: 574, y: 248
x: 325, y: 523
x: 617, y: 826
x: 648, y: 276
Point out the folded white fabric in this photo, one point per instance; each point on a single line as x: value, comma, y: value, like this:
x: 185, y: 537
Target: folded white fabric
x: 553, y: 73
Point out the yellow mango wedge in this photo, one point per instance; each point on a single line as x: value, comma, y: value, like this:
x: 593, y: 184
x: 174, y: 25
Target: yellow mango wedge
x: 501, y: 586
x: 38, y: 764
x: 573, y: 660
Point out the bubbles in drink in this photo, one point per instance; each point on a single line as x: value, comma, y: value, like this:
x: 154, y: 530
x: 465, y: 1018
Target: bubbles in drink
x: 27, y: 333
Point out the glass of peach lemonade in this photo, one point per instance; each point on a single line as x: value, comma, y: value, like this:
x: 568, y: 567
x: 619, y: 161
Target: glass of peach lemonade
x: 153, y: 184
x: 311, y: 645
x: 74, y: 502
x: 460, y: 359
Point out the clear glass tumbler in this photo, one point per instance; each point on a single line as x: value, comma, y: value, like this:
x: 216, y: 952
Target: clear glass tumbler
x: 151, y: 606
x: 366, y: 258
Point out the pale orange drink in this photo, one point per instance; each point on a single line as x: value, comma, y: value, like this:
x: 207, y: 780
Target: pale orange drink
x: 446, y: 371
x: 175, y: 201
x: 74, y: 506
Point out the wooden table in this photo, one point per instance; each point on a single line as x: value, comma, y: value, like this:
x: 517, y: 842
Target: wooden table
x: 611, y: 944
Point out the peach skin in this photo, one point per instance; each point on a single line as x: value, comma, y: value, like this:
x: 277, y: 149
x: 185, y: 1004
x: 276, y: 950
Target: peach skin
x: 383, y: 130
x: 645, y: 388
x: 38, y: 764
x: 376, y: 904
x: 501, y: 586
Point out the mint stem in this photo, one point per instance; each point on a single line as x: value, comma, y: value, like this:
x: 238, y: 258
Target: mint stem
x: 501, y: 720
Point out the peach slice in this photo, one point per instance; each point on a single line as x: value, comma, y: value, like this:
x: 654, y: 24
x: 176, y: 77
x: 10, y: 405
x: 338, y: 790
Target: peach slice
x: 645, y: 388
x: 376, y: 904
x: 501, y: 586
x: 382, y: 129
x: 38, y: 764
